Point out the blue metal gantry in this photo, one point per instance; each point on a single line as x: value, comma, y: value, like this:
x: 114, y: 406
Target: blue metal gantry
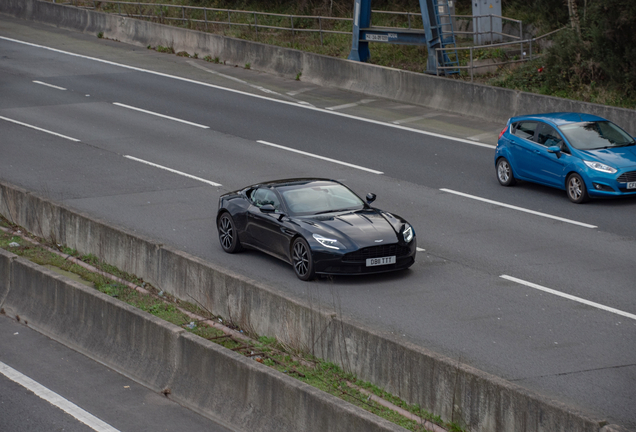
x: 438, y: 33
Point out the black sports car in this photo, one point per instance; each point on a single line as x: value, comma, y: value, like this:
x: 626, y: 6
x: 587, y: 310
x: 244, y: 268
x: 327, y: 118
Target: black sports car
x: 319, y: 226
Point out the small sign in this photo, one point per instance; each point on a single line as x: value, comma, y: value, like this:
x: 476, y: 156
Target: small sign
x: 377, y: 38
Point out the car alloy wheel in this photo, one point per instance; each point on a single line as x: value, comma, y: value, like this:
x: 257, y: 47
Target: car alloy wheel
x: 577, y: 192
x: 504, y: 172
x: 227, y: 234
x: 302, y: 260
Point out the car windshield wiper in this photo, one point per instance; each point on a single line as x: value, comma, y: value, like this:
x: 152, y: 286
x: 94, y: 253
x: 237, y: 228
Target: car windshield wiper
x: 626, y: 144
x: 333, y: 211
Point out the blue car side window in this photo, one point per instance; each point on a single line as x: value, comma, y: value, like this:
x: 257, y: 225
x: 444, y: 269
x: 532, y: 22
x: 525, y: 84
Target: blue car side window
x: 549, y: 137
x: 525, y: 129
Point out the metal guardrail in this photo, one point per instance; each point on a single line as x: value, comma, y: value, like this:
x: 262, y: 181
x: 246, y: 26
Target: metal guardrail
x: 471, y: 65
x: 210, y: 16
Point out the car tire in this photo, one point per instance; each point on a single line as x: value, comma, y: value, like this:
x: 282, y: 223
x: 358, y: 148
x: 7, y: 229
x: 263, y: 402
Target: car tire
x: 228, y: 236
x: 576, y: 189
x: 504, y: 172
x: 302, y: 260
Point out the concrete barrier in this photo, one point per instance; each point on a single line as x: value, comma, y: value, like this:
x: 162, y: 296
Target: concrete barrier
x: 477, y: 100
x: 456, y: 392
x: 213, y: 380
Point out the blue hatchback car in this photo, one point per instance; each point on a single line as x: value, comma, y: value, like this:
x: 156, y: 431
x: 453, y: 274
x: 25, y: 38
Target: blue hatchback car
x: 586, y: 155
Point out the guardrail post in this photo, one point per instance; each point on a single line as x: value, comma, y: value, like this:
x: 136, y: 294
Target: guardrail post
x: 291, y: 19
x: 183, y: 15
x: 229, y: 21
x: 408, y: 16
x: 205, y: 16
x: 490, y: 29
x: 530, y: 49
x: 320, y: 26
x: 471, y: 64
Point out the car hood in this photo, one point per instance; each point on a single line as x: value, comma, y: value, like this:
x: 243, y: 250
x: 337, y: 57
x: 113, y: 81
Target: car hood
x: 362, y: 228
x: 620, y: 157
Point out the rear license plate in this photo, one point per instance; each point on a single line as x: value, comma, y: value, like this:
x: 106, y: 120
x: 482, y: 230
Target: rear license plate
x: 380, y: 261
x: 631, y: 185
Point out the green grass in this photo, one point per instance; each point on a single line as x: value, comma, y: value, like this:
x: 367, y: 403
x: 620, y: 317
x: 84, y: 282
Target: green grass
x: 318, y: 373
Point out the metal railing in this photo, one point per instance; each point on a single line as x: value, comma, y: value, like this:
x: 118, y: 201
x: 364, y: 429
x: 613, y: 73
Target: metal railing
x: 187, y: 15
x: 524, y: 57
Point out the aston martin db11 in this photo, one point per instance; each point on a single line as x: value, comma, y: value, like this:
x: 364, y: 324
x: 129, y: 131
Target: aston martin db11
x: 319, y: 226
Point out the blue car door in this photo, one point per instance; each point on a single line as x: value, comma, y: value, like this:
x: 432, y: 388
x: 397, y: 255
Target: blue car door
x: 549, y: 167
x: 522, y: 148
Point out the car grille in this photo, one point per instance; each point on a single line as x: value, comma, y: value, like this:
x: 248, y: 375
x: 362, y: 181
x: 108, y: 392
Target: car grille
x: 627, y: 177
x: 376, y: 252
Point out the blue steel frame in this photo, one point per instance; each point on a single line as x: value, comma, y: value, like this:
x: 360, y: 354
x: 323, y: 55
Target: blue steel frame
x: 363, y: 33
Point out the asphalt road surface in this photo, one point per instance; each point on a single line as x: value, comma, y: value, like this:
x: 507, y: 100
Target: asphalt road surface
x: 45, y: 386
x: 81, y: 118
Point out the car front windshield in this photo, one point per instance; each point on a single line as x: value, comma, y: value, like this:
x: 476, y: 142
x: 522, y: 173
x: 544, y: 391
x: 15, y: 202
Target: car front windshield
x: 319, y: 197
x: 596, y: 135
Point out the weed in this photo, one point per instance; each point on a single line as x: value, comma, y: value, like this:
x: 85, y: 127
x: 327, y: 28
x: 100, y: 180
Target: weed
x: 100, y: 35
x: 298, y: 76
x: 248, y: 65
x: 183, y: 54
x: 163, y: 49
x: 196, y: 55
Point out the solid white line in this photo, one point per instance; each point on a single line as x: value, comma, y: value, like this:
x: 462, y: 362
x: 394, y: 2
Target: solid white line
x: 49, y: 85
x: 376, y: 122
x: 172, y: 170
x: 545, y: 215
x: 54, y: 399
x: 320, y: 157
x: 39, y: 129
x: 160, y: 115
x: 568, y: 296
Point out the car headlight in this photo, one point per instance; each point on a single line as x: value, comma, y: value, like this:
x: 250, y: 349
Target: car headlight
x: 600, y: 167
x: 327, y: 242
x: 408, y: 233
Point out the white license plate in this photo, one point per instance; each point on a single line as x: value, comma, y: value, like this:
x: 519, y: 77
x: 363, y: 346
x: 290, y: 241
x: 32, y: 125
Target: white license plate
x: 631, y: 185
x: 380, y: 261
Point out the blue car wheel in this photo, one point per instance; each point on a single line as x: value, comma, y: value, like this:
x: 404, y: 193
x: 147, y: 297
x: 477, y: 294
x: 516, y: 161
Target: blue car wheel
x: 504, y: 172
x: 577, y: 191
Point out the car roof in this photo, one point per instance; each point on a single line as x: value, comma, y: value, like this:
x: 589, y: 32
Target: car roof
x: 559, y: 118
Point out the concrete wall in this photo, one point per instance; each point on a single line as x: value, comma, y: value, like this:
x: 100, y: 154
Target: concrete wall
x: 492, y: 103
x: 456, y: 392
x: 210, y: 379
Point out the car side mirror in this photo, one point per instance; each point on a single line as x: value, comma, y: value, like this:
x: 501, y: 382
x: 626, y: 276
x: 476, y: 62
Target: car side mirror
x: 370, y: 198
x: 267, y: 208
x: 556, y: 150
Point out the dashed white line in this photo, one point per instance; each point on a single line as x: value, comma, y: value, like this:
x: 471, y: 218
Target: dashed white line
x: 419, y: 249
x: 294, y: 93
x: 408, y: 120
x: 173, y: 170
x: 55, y: 399
x: 49, y: 85
x: 39, y: 129
x: 350, y: 105
x: 160, y: 115
x: 305, y: 106
x: 545, y: 215
x: 568, y: 296
x: 320, y: 157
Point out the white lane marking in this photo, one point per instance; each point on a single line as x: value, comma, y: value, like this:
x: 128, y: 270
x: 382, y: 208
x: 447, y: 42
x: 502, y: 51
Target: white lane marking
x: 320, y: 157
x: 49, y: 85
x: 161, y: 115
x: 263, y: 89
x: 172, y: 170
x: 55, y: 399
x: 545, y: 215
x: 568, y: 296
x: 294, y: 93
x: 419, y: 249
x: 408, y: 120
x: 305, y: 106
x: 482, y: 136
x: 350, y: 105
x: 39, y: 129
